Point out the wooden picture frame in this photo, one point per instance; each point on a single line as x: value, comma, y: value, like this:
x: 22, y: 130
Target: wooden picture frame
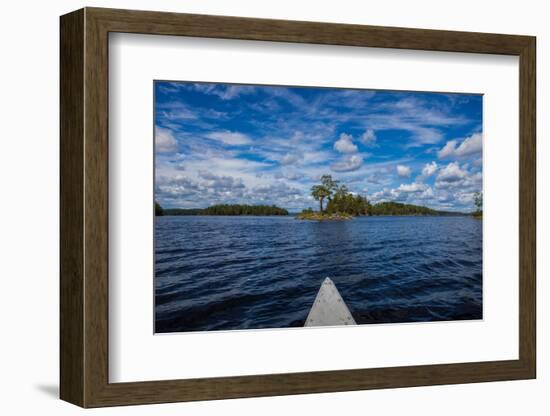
x: 84, y: 207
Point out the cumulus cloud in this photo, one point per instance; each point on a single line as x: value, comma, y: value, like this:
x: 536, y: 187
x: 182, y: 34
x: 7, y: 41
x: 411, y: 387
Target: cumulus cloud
x: 414, y: 187
x: 229, y: 137
x: 455, y: 178
x: 165, y: 141
x: 403, y: 171
x: 413, y: 193
x: 369, y: 137
x: 451, y: 173
x: 345, y: 144
x: 221, y: 183
x: 350, y: 163
x: 429, y: 169
x: 175, y: 187
x: 469, y: 146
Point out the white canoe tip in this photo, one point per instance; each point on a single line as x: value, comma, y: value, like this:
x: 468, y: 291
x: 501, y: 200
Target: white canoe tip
x: 329, y: 309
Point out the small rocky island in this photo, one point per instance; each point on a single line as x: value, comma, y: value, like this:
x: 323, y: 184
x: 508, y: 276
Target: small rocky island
x: 341, y: 205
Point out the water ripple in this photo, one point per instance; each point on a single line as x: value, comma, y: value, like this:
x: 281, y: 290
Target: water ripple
x: 219, y: 273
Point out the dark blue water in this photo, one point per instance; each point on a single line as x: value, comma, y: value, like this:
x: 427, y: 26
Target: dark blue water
x: 222, y: 273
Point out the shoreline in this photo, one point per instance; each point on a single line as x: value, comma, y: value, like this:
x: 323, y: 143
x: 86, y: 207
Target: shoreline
x: 296, y: 215
x: 321, y: 216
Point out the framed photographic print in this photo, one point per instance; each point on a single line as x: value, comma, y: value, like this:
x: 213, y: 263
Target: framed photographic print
x: 255, y: 207
x: 281, y: 186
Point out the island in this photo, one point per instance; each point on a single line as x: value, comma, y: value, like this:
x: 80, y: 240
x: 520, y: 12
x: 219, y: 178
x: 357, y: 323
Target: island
x: 224, y: 209
x: 344, y: 205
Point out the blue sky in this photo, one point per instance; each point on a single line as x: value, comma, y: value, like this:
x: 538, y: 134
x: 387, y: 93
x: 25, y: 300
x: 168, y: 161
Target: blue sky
x: 226, y: 143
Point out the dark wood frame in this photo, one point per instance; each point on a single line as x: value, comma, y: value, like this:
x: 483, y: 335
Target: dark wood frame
x: 84, y: 208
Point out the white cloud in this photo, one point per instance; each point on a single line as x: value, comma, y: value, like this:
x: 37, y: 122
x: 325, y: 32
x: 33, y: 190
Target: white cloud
x: 448, y: 150
x: 369, y: 137
x: 385, y: 194
x: 414, y: 187
x: 456, y: 177
x: 224, y: 91
x: 412, y: 193
x: 292, y: 158
x: 451, y: 173
x: 229, y: 137
x: 427, y: 194
x: 165, y: 141
x: 464, y: 198
x: 176, y: 111
x: 344, y: 144
x: 233, y: 91
x: 429, y: 169
x: 349, y: 164
x: 224, y: 184
x: 316, y: 156
x: 403, y: 171
x: 291, y: 176
x: 424, y: 135
x: 228, y: 164
x: 288, y: 95
x: 469, y: 146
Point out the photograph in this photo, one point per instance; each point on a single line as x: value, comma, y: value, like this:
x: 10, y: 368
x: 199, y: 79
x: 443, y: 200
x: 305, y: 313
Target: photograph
x: 279, y: 206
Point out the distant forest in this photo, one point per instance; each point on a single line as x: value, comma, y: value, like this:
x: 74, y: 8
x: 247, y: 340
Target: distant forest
x: 395, y: 208
x: 224, y: 209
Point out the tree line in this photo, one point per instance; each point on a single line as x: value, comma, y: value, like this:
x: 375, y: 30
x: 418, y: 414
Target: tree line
x: 356, y: 205
x: 224, y: 209
x: 396, y: 208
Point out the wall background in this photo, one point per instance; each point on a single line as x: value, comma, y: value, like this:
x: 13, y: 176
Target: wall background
x: 29, y: 215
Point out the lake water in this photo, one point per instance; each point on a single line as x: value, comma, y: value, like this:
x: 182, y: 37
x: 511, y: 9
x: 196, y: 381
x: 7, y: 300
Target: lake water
x: 223, y: 273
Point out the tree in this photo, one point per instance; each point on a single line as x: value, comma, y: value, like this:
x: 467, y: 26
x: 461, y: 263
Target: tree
x: 158, y: 209
x: 341, y: 191
x: 478, y: 201
x: 319, y: 192
x: 330, y: 184
x: 325, y: 190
